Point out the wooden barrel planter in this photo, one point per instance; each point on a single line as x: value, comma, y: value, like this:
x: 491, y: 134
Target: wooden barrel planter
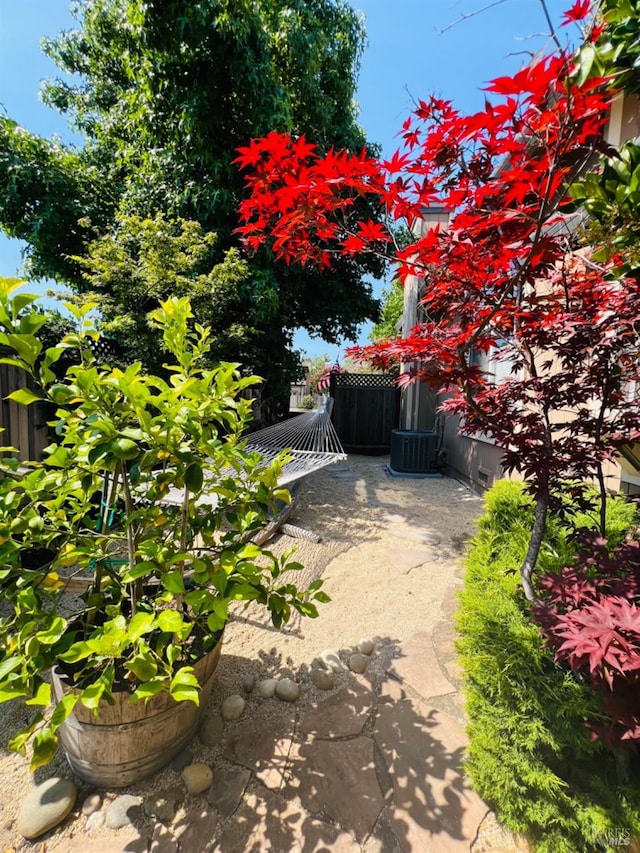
x: 128, y: 741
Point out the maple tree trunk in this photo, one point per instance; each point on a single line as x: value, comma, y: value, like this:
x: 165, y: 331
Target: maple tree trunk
x: 623, y: 765
x: 603, y: 502
x: 535, y: 542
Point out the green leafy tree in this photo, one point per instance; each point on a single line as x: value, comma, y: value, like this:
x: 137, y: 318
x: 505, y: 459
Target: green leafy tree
x: 392, y: 298
x: 131, y: 270
x: 164, y: 93
x: 391, y: 313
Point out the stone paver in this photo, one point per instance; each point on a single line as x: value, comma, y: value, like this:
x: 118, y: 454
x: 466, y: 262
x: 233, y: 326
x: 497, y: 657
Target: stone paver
x: 263, y: 746
x: 418, y: 666
x: 362, y: 488
x: 404, y: 559
x: 196, y: 831
x: 125, y: 842
x: 382, y: 839
x: 268, y: 823
x: 227, y: 790
x: 343, y: 713
x: 163, y: 840
x: 338, y: 779
x: 412, y: 534
x: 433, y: 807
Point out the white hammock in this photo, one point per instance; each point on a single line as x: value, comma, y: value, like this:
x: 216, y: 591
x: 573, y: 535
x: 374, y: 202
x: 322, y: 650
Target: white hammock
x: 310, y: 441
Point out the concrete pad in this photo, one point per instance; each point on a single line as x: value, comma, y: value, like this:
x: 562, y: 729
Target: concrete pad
x: 433, y: 805
x: 267, y: 823
x: 342, y: 713
x: 339, y: 780
x: 418, y: 667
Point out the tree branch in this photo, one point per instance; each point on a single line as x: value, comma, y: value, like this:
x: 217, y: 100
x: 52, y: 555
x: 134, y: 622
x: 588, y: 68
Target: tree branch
x: 467, y: 15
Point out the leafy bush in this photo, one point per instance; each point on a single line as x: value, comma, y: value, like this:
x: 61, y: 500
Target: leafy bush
x: 170, y: 553
x: 589, y: 615
x: 531, y: 755
x: 307, y: 402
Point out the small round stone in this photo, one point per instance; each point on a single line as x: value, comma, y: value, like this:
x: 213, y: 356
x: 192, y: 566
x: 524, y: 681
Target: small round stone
x: 210, y: 734
x: 46, y: 806
x: 248, y: 683
x: 123, y: 811
x: 287, y: 690
x: 330, y: 659
x: 267, y: 688
x: 322, y: 679
x: 182, y: 759
x: 197, y: 778
x: 91, y: 804
x: 365, y: 647
x: 358, y: 662
x: 162, y: 806
x: 232, y: 707
x: 95, y: 821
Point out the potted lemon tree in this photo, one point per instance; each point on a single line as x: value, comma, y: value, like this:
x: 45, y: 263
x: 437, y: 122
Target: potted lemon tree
x: 148, y: 497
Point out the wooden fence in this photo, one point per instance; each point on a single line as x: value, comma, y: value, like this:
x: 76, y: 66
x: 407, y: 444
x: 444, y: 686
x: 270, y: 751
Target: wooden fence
x: 366, y: 409
x: 23, y: 427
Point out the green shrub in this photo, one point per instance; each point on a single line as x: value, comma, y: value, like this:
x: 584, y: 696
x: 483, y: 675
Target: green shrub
x: 531, y: 756
x: 308, y: 402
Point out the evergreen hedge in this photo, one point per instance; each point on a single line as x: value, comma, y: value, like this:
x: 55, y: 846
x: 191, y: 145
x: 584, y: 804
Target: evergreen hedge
x: 531, y: 756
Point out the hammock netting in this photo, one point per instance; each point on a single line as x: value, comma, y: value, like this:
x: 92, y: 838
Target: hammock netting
x: 310, y: 441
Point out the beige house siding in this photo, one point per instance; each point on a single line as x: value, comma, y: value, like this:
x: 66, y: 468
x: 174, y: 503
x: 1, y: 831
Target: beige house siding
x: 478, y: 461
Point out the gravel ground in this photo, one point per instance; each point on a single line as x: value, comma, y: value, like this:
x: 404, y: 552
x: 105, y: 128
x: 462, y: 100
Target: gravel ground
x: 367, y: 522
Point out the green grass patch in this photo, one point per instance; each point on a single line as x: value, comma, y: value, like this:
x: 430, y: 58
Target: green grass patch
x: 531, y: 757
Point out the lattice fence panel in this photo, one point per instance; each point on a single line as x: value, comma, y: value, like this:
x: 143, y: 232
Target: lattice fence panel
x: 364, y: 380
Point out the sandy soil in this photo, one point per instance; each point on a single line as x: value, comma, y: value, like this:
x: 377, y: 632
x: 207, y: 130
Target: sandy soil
x: 367, y: 522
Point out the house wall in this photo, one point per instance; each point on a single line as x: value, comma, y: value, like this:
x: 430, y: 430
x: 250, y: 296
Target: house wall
x: 624, y: 120
x: 418, y: 408
x: 477, y: 461
x: 474, y: 461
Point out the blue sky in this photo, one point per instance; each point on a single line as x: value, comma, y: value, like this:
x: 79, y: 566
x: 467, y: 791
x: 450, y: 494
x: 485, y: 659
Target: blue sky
x: 412, y: 52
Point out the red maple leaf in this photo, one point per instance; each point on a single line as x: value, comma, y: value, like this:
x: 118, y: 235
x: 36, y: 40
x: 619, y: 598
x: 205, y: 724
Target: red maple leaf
x: 578, y: 12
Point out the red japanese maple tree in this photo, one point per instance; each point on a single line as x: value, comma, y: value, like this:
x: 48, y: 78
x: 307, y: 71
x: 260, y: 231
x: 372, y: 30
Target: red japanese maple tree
x: 503, y: 279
